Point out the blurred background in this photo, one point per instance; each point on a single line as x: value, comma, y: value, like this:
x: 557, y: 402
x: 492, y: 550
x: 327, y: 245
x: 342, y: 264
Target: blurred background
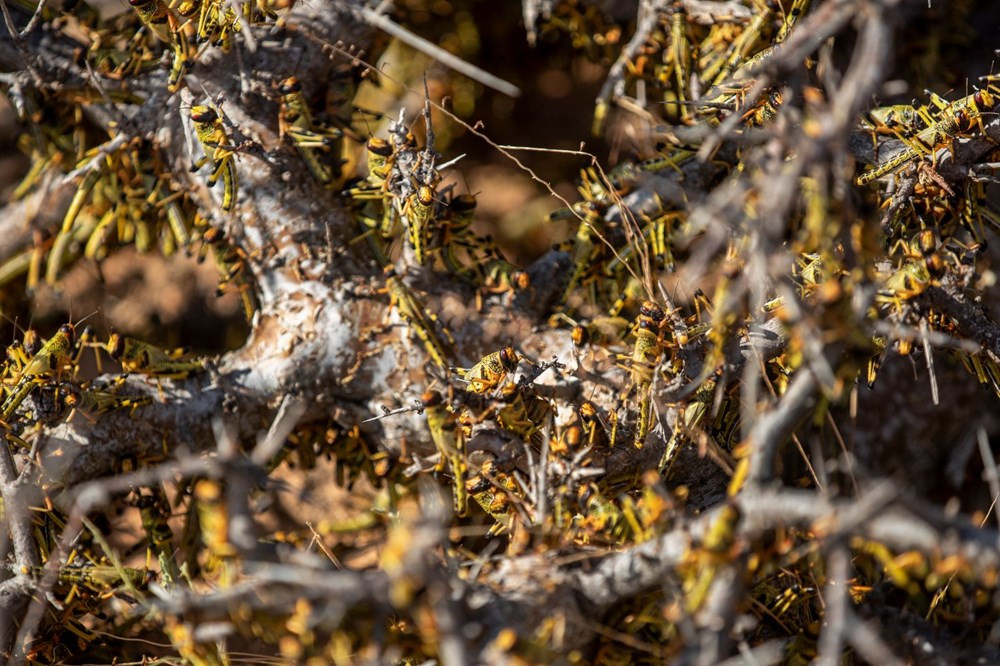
x: 172, y: 301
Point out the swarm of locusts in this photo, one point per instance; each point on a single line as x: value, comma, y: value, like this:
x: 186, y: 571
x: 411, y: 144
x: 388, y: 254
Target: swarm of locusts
x: 621, y: 400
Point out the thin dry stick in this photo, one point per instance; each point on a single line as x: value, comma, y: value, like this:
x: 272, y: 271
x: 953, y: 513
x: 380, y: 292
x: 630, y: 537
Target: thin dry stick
x: 35, y: 18
x: 289, y: 413
x: 247, y: 30
x: 929, y: 359
x: 868, y: 644
x: 17, y: 515
x: 837, y: 602
x: 772, y: 428
x: 990, y: 470
x: 318, y: 540
x: 613, y: 634
x: 795, y: 438
x: 9, y: 21
x: 439, y: 54
x: 848, y: 458
x: 614, y: 84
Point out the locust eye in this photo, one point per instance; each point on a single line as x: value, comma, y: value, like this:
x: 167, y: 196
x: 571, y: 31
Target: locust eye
x: 116, y: 346
x: 69, y: 332
x: 431, y: 398
x: 648, y: 325
x: 652, y: 310
x: 203, y: 114
x: 509, y: 358
x: 463, y: 203
x: 212, y: 235
x: 379, y: 146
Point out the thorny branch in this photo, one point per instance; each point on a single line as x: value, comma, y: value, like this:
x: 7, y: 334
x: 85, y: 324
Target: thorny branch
x: 307, y: 338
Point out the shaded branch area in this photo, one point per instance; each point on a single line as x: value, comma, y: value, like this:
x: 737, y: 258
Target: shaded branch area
x: 659, y: 439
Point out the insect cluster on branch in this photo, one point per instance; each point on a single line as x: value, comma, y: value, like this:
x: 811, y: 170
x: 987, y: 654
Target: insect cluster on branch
x: 696, y: 284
